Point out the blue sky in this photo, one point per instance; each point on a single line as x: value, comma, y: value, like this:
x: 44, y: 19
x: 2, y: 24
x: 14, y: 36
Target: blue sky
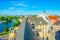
x: 29, y: 7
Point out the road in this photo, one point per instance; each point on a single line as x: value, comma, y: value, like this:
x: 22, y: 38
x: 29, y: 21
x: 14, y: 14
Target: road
x: 25, y: 32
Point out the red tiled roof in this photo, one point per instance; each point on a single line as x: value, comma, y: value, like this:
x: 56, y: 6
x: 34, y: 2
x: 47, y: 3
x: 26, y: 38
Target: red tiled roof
x: 53, y: 19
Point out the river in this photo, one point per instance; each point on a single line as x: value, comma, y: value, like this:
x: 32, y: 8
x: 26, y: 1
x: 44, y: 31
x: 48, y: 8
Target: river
x: 2, y: 25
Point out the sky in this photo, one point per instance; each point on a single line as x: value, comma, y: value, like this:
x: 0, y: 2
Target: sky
x: 29, y: 7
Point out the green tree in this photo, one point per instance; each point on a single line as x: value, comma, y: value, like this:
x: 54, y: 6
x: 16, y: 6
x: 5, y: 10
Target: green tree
x: 19, y: 17
x: 6, y: 29
x: 9, y: 18
x: 1, y: 18
x: 15, y: 17
x: 17, y: 22
x: 5, y: 18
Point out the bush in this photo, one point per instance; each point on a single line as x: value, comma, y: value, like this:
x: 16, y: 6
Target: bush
x: 6, y: 29
x: 15, y: 23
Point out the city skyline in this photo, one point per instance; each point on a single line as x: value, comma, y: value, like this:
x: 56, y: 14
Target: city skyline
x: 29, y: 7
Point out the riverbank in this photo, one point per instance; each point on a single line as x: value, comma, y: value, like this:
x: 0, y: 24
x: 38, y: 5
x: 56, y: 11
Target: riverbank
x: 2, y: 21
x: 7, y: 23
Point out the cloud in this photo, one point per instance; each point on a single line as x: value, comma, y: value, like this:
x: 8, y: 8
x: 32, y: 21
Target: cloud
x: 20, y: 4
x: 17, y: 5
x: 11, y: 12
